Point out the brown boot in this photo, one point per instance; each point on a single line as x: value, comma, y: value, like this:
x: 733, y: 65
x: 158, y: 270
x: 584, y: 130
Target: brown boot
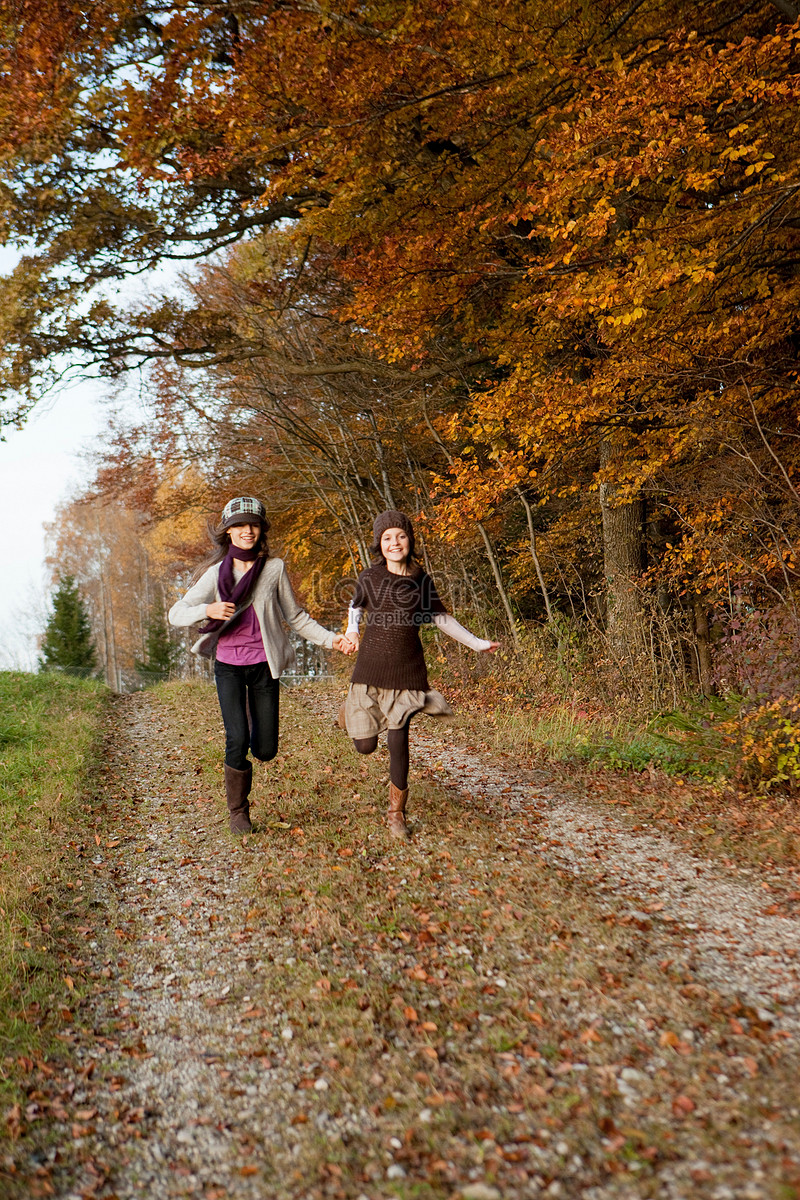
x: 237, y: 790
x: 396, y: 819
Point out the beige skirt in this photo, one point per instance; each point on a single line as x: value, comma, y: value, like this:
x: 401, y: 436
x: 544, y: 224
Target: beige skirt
x: 369, y: 710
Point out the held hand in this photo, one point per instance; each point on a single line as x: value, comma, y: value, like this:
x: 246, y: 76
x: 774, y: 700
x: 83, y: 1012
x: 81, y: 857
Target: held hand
x: 220, y: 610
x: 343, y: 644
x: 492, y: 648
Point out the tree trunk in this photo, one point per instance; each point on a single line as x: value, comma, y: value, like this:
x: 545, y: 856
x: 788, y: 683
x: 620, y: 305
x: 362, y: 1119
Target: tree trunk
x: 534, y: 554
x: 622, y: 560
x: 703, y: 644
x: 789, y: 9
x: 498, y: 579
x: 388, y: 494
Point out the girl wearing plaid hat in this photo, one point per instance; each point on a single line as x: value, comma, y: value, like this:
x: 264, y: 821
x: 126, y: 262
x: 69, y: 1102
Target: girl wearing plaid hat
x: 389, y: 684
x: 244, y: 596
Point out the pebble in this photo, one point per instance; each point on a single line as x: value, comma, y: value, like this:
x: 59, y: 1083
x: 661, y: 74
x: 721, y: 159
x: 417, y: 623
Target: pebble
x: 480, y: 1191
x: 632, y: 1076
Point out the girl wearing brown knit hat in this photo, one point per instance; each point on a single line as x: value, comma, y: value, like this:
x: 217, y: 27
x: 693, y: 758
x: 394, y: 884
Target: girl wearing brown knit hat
x: 389, y: 684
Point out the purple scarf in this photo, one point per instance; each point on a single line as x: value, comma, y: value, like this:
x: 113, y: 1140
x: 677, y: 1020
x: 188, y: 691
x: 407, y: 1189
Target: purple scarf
x: 235, y: 593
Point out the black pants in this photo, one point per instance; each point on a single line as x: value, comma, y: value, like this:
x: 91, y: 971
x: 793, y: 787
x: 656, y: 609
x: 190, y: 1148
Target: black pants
x: 397, y: 742
x: 249, y: 699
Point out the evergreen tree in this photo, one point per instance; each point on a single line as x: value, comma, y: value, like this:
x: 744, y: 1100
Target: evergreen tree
x: 67, y: 644
x: 161, y: 654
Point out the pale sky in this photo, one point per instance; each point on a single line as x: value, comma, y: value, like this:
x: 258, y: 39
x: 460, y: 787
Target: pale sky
x: 39, y: 466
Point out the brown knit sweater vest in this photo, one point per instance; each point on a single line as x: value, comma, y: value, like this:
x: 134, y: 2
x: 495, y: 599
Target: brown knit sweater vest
x: 391, y: 654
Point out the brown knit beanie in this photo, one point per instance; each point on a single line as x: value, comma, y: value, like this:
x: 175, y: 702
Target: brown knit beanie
x: 391, y: 519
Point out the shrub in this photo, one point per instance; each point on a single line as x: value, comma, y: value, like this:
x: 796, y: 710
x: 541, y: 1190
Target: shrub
x: 759, y: 655
x: 769, y: 741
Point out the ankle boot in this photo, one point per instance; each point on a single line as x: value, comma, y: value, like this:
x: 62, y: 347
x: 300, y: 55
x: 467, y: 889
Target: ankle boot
x: 396, y: 819
x: 237, y: 790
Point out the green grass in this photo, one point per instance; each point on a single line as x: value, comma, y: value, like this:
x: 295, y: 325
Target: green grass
x: 678, y: 743
x: 48, y: 739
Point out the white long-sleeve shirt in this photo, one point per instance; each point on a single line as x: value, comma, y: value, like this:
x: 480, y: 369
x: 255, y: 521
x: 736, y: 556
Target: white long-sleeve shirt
x: 443, y: 621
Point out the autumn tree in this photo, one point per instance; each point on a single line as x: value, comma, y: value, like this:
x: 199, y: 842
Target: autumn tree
x: 580, y: 221
x: 102, y: 546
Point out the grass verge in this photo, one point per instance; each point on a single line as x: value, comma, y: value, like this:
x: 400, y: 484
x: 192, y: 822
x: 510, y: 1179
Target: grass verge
x: 49, y: 733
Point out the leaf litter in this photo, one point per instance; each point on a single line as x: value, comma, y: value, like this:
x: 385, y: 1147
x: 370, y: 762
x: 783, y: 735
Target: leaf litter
x: 527, y: 1000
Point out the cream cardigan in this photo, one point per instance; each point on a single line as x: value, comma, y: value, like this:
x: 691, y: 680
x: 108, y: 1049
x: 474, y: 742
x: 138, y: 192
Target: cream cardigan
x: 273, y: 602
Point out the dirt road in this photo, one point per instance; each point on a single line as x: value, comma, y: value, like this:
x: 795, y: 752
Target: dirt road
x: 528, y: 1000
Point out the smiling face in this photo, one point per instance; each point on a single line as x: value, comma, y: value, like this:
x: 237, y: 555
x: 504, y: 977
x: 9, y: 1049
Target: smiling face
x: 395, y: 545
x: 244, y: 537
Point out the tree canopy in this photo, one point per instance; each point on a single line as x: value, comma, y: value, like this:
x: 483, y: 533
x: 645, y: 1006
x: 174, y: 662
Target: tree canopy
x: 579, y: 172
x: 530, y: 270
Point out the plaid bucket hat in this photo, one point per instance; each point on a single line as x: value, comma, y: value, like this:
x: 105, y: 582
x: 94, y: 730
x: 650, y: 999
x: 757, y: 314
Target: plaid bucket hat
x: 244, y: 510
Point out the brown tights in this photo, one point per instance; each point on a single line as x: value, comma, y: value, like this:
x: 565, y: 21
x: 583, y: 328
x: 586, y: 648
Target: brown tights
x: 397, y: 742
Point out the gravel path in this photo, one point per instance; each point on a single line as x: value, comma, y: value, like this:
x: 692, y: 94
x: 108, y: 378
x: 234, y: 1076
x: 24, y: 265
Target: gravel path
x: 736, y: 947
x: 184, y: 1085
x: 176, y: 1005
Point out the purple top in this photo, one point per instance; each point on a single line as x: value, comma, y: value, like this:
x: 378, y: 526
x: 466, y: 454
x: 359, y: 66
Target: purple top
x: 244, y: 645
